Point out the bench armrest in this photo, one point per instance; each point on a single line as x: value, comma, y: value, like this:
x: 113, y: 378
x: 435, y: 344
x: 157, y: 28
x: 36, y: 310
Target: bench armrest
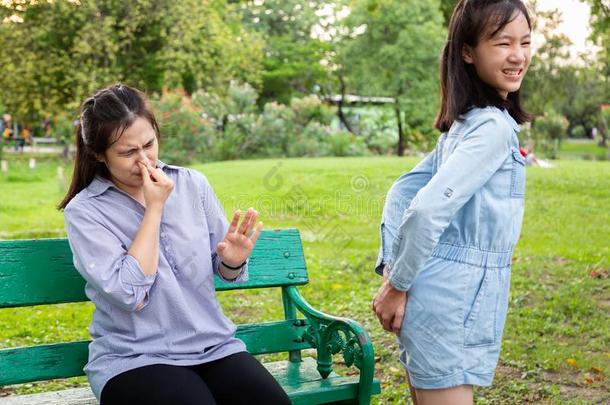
x: 332, y: 334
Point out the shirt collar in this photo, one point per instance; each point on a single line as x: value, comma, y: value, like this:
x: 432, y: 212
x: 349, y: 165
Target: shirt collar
x: 100, y: 184
x: 511, y: 120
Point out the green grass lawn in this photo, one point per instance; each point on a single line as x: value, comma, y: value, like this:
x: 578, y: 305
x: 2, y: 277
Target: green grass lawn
x: 582, y: 149
x: 556, y: 346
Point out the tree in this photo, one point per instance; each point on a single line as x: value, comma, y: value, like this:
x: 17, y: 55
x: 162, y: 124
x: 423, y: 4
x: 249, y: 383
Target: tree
x: 554, y: 84
x: 53, y: 54
x: 292, y: 54
x: 544, y: 86
x: 447, y: 7
x: 397, y: 55
x: 600, y: 35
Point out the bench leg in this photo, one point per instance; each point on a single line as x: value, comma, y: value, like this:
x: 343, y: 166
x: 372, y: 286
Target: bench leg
x: 290, y: 313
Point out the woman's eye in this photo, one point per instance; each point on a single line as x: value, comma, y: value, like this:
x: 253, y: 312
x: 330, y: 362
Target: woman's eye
x: 129, y: 153
x: 504, y: 44
x: 526, y: 44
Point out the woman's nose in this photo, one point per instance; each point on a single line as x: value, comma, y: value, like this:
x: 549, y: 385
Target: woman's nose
x: 142, y: 156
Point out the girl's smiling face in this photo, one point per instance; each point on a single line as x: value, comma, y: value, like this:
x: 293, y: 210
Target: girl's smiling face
x: 502, y: 60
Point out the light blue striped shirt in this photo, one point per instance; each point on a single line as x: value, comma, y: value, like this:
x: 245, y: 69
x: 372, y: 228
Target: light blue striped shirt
x: 180, y: 321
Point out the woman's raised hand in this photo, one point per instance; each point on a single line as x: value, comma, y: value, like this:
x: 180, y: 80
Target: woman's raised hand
x: 239, y: 240
x: 156, y: 185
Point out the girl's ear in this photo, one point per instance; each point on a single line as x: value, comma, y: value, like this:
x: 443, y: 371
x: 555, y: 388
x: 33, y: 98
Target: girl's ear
x: 467, y: 54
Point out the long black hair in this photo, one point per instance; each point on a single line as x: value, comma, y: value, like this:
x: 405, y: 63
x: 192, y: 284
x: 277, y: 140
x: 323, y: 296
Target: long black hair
x: 103, y: 119
x: 461, y: 87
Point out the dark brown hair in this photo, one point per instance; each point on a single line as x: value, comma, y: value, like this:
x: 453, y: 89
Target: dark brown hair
x: 103, y: 119
x: 461, y: 87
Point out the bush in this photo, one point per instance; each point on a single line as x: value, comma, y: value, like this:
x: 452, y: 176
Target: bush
x: 548, y: 131
x: 579, y: 131
x: 310, y: 141
x: 275, y: 130
x: 346, y: 144
x: 185, y: 136
x: 311, y: 108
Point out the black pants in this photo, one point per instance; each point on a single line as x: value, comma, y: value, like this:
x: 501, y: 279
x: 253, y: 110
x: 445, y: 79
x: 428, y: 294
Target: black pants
x: 235, y: 379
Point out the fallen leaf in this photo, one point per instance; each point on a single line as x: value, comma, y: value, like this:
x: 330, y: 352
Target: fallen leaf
x: 588, y: 379
x: 572, y: 362
x: 598, y: 374
x: 599, y: 273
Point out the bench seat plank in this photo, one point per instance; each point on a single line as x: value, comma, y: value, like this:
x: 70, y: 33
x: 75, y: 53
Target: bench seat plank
x: 301, y: 381
x: 62, y: 360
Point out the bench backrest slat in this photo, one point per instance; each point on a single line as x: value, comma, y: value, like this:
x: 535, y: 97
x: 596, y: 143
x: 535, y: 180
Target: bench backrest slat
x: 34, y: 272
x: 63, y: 360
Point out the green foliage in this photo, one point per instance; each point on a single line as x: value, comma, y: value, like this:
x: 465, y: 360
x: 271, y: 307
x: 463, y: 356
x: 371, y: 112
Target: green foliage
x: 552, y: 84
x: 544, y: 86
x: 185, y: 135
x: 548, y: 131
x: 54, y: 54
x: 292, y: 56
x: 397, y: 56
x: 211, y: 126
x: 346, y: 144
x: 579, y: 131
x: 447, y: 7
x: 600, y: 35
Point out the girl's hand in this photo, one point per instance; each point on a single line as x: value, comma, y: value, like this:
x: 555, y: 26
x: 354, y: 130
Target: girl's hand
x: 239, y: 241
x: 389, y: 305
x: 157, y: 186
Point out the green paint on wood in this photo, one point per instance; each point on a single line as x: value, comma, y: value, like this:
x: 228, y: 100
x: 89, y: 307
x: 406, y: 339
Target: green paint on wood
x: 303, y: 384
x: 62, y: 360
x: 34, y: 272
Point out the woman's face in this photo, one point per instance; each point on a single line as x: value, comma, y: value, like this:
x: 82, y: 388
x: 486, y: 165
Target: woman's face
x: 502, y: 60
x: 137, y: 144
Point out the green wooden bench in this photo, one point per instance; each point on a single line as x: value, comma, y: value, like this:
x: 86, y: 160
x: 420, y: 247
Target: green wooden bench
x: 36, y: 272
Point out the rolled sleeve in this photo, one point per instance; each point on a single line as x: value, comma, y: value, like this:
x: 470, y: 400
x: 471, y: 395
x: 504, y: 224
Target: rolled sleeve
x: 103, y: 261
x: 475, y: 159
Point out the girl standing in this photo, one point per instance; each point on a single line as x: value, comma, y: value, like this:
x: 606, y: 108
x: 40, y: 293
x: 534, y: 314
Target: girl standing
x: 148, y: 238
x: 450, y: 226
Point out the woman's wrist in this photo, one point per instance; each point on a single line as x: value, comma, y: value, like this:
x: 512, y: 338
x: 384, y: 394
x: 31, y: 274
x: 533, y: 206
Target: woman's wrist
x: 233, y: 267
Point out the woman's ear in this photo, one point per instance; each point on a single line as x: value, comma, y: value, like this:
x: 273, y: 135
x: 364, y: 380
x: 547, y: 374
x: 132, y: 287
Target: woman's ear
x: 467, y: 54
x: 100, y: 158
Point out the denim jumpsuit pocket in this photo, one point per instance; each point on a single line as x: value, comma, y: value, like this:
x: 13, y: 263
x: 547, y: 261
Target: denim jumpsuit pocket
x: 517, y: 182
x: 480, y: 324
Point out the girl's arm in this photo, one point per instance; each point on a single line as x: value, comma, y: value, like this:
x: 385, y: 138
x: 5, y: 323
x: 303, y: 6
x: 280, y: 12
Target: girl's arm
x: 475, y: 159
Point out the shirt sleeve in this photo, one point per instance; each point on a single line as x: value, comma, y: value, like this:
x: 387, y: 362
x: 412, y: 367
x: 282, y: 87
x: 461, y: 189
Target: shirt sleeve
x: 473, y: 162
x: 399, y: 197
x: 409, y: 184
x: 217, y: 226
x: 103, y: 261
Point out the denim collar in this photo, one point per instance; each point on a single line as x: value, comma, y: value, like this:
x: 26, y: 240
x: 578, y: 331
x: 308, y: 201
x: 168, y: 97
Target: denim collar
x: 511, y: 120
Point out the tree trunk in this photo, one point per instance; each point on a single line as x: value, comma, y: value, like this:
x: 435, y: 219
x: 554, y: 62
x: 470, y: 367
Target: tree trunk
x: 401, y: 137
x: 340, y: 113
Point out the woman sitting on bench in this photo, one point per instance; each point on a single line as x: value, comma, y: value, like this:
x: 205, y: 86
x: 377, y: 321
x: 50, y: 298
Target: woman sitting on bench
x: 148, y: 237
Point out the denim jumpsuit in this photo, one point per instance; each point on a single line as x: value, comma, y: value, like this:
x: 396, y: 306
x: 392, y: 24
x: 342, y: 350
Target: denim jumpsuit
x: 448, y: 231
